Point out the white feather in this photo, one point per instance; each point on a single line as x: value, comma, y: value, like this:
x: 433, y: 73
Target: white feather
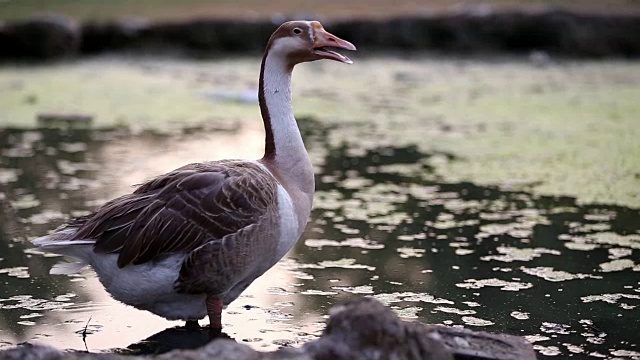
x: 289, y: 229
x: 67, y: 268
x: 48, y: 243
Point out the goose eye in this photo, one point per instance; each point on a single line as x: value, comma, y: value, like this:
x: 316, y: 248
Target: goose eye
x: 297, y: 31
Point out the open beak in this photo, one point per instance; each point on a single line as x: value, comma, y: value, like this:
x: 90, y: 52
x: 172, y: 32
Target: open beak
x: 325, y: 40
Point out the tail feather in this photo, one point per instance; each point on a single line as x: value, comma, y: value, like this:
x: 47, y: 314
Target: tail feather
x: 64, y: 236
x: 46, y: 243
x: 63, y: 242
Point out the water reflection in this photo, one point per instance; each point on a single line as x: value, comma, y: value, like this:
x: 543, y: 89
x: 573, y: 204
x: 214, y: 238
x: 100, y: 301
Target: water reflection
x: 384, y: 225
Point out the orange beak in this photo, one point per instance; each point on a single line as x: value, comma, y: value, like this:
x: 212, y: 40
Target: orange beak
x: 323, y: 39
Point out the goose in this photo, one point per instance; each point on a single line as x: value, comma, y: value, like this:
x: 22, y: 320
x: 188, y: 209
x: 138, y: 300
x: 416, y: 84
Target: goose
x: 187, y: 243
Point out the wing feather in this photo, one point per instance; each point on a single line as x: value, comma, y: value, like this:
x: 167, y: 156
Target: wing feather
x: 181, y: 211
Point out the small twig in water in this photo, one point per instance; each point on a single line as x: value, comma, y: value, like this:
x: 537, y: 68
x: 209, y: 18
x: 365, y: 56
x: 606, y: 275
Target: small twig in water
x: 84, y: 334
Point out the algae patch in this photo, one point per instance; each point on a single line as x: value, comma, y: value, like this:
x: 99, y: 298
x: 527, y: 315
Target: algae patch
x: 564, y: 129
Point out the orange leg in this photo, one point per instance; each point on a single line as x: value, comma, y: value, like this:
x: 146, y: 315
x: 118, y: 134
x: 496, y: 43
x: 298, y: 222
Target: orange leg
x: 214, y: 309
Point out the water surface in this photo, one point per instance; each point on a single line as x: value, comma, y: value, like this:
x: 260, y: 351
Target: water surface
x: 457, y: 191
x: 385, y: 225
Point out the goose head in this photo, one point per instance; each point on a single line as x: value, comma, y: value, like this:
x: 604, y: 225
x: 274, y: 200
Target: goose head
x: 303, y: 41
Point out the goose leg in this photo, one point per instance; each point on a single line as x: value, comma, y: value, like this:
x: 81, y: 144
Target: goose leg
x: 214, y: 309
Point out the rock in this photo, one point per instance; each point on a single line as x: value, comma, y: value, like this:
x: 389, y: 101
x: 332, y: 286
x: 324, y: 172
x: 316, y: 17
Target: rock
x: 40, y: 38
x: 31, y: 352
x: 218, y: 349
x: 366, y: 329
x: 467, y: 344
x: 362, y: 328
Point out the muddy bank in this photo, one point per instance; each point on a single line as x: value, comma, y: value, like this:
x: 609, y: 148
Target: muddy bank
x: 554, y: 31
x: 357, y: 329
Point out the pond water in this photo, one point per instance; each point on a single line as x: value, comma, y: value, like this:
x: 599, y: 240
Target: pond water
x: 405, y: 209
x: 384, y: 225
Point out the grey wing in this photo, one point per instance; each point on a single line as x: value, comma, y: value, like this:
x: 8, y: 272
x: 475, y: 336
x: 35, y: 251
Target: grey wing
x: 181, y: 211
x: 218, y: 266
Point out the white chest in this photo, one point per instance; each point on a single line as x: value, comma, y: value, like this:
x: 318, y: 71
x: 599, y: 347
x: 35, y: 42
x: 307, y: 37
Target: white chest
x: 290, y: 231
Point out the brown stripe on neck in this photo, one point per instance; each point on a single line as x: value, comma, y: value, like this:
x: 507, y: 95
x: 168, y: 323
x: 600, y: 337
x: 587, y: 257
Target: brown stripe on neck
x: 269, y: 144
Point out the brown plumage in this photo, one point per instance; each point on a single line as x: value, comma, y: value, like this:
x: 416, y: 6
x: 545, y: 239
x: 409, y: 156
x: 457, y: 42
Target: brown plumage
x: 187, y: 242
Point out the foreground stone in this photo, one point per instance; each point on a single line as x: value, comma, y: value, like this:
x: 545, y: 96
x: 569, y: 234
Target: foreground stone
x: 358, y: 329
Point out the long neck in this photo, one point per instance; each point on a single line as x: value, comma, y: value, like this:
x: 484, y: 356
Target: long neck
x: 284, y: 148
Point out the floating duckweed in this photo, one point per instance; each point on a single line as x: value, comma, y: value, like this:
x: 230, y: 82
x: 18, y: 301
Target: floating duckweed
x: 474, y: 321
x: 610, y: 238
x: 345, y: 264
x: 575, y: 349
x: 9, y: 175
x: 511, y: 254
x: 535, y: 338
x: 18, y: 272
x: 609, y: 298
x: 408, y: 312
x: 555, y: 328
x: 617, y: 265
x: 318, y: 292
x: 616, y: 253
x: 549, y: 274
x: 388, y: 298
x: 26, y: 201
x: 406, y: 252
x: 45, y: 217
x: 452, y: 310
x: 520, y: 315
x: 547, y: 350
x: 365, y: 289
x: 502, y: 284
